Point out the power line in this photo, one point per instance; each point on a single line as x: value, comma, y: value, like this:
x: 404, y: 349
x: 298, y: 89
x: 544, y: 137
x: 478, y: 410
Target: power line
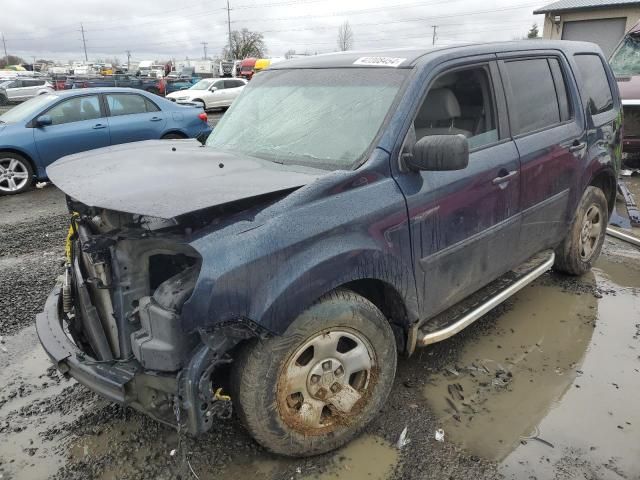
x: 84, y: 43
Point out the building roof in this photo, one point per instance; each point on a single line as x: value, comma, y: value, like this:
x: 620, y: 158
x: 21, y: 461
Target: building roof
x: 569, y: 5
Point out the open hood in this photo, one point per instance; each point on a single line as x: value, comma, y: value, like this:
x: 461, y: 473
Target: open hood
x: 166, y: 179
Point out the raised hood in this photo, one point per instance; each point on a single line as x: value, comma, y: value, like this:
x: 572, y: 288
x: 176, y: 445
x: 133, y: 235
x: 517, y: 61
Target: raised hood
x: 166, y: 179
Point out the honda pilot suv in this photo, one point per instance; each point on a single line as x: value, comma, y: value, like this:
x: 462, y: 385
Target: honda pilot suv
x: 375, y: 204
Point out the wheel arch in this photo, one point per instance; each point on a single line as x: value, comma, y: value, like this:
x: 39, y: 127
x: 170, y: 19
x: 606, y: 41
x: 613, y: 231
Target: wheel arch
x: 606, y: 181
x: 175, y: 131
x: 26, y: 156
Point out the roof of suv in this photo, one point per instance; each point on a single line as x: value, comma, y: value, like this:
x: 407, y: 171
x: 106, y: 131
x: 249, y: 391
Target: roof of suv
x: 406, y: 58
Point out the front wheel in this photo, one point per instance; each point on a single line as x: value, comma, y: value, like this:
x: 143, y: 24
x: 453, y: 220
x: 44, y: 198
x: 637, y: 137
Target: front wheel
x: 318, y: 385
x: 581, y: 247
x: 16, y: 174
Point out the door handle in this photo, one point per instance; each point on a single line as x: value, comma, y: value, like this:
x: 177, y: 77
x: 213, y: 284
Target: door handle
x: 504, y: 178
x: 576, y: 146
x: 156, y: 119
x: 98, y: 126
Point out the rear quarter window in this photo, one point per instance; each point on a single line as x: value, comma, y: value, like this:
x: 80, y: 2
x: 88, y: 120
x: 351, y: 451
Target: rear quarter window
x: 596, y: 91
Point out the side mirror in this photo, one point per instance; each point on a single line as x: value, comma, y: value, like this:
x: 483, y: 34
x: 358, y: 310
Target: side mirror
x: 44, y: 120
x: 439, y: 153
x: 213, y: 89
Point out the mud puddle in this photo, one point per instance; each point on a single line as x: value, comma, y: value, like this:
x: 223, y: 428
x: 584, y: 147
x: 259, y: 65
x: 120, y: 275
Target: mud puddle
x: 549, y: 393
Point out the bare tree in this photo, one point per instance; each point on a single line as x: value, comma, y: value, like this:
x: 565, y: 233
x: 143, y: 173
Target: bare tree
x: 289, y: 53
x: 345, y: 37
x: 245, y: 43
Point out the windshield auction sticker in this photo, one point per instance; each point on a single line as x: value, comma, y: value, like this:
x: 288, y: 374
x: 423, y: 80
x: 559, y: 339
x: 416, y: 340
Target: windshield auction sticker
x: 380, y: 61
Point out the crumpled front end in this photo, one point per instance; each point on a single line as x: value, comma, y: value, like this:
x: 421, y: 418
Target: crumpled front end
x: 113, y: 320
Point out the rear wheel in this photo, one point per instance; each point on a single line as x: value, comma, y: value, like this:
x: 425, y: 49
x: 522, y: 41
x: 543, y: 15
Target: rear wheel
x: 16, y: 174
x: 581, y: 247
x: 3, y: 100
x: 318, y: 385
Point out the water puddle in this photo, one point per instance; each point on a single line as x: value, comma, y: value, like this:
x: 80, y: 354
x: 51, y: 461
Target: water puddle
x: 548, y: 391
x: 366, y: 458
x: 507, y: 381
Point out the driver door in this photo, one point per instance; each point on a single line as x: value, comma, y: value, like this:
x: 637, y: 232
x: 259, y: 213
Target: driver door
x: 464, y: 223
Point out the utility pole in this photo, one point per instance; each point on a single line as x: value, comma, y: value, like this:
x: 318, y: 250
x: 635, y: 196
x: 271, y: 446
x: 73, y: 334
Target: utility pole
x: 229, y: 26
x: 128, y: 60
x: 6, y: 55
x: 433, y: 42
x: 204, y: 46
x: 84, y: 43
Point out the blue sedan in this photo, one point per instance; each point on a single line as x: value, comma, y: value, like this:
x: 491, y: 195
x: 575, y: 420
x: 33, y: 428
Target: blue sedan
x: 45, y: 128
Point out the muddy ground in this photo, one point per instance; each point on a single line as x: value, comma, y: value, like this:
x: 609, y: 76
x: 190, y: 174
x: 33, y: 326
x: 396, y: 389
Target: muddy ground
x: 545, y: 386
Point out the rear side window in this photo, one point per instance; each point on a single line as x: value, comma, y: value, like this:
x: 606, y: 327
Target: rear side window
x: 595, y: 85
x: 129, y: 104
x: 561, y: 89
x: 533, y: 102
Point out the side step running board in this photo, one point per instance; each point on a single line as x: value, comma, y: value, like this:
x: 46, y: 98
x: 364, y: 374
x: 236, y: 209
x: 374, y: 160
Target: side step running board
x: 470, y: 316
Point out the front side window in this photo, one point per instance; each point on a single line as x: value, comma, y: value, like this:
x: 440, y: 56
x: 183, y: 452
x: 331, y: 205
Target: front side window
x: 201, y: 85
x: 75, y: 110
x: 323, y: 118
x: 533, y: 101
x: 129, y: 104
x: 596, y: 90
x: 219, y: 84
x: 460, y: 103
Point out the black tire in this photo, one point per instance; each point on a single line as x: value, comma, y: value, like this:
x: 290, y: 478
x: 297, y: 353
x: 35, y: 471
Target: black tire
x: 23, y: 167
x: 3, y: 100
x: 581, y: 247
x: 261, y: 391
x: 173, y: 136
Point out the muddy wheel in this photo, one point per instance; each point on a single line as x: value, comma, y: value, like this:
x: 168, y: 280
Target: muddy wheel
x: 318, y: 385
x: 16, y: 174
x: 581, y: 247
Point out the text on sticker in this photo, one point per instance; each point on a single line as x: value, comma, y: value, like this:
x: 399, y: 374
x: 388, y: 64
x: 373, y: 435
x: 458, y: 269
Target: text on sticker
x: 380, y: 61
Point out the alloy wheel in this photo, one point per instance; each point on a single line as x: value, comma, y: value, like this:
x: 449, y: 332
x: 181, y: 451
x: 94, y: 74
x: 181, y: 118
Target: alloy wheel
x: 14, y: 175
x: 591, y: 230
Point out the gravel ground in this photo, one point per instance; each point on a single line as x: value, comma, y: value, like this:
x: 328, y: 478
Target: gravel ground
x: 54, y: 428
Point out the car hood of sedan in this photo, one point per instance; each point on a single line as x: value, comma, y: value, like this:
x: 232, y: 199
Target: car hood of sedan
x: 166, y: 179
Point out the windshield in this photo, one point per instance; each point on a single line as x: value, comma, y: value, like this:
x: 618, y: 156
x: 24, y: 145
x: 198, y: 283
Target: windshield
x: 27, y: 110
x: 202, y: 85
x: 320, y: 118
x: 626, y: 60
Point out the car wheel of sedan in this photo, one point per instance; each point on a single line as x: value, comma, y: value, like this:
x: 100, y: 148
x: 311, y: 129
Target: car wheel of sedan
x: 318, y: 385
x: 581, y: 247
x: 16, y: 174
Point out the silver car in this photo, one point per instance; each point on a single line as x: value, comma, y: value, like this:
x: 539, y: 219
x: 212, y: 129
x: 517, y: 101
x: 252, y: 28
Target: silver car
x: 20, y: 89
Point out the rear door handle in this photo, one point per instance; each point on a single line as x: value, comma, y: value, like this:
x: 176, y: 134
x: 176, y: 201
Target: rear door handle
x: 156, y: 119
x: 98, y: 126
x: 504, y: 178
x: 577, y: 146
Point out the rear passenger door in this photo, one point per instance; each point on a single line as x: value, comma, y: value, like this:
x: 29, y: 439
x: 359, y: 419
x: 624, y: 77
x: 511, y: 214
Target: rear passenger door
x: 133, y: 117
x: 464, y: 223
x: 548, y: 129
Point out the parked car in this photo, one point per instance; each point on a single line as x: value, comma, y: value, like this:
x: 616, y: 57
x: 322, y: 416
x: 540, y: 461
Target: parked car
x: 21, y: 89
x: 625, y: 64
x: 48, y: 127
x: 151, y: 85
x: 211, y: 92
x: 376, y: 203
x: 182, y: 80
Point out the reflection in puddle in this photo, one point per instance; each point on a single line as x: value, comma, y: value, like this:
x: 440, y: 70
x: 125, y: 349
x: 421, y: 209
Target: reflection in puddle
x: 623, y: 274
x: 506, y: 382
x: 367, y: 457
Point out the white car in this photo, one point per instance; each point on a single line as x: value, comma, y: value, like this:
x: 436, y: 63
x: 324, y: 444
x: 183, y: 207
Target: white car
x: 211, y: 92
x: 20, y: 89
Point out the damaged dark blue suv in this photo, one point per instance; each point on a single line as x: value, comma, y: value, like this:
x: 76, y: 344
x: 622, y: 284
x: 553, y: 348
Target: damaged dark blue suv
x: 375, y: 203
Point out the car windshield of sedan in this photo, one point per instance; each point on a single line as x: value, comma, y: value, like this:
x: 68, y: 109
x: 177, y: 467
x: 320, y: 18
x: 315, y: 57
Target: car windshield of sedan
x: 25, y: 111
x: 202, y: 85
x: 323, y: 118
x: 626, y: 60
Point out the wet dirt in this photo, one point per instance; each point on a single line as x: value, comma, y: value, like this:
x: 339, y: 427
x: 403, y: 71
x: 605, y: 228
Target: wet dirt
x: 560, y: 362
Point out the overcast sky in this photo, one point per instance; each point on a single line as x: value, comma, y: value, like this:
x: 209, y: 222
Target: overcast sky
x: 160, y: 29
